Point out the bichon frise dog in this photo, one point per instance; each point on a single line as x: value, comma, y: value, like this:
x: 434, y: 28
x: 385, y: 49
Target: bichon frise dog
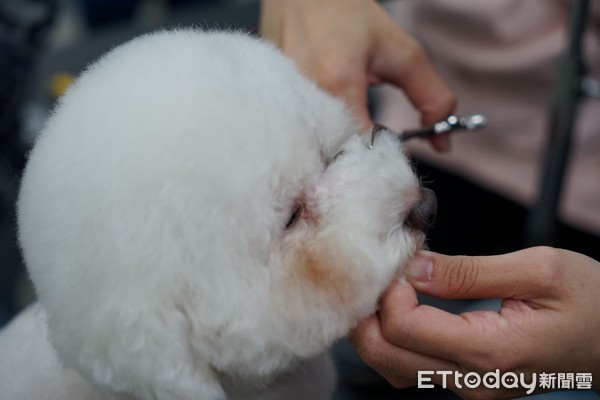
x: 198, y: 218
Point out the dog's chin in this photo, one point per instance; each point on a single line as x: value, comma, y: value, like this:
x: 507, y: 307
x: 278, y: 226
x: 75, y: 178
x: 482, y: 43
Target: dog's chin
x: 418, y: 242
x: 421, y: 241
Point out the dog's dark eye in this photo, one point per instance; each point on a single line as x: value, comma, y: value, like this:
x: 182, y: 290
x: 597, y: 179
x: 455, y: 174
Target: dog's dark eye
x: 332, y: 160
x: 339, y: 154
x: 294, y: 216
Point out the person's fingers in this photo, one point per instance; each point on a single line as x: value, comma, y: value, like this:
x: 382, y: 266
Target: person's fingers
x: 523, y: 275
x: 354, y: 93
x: 431, y: 331
x: 269, y: 21
x: 357, y: 103
x: 400, y: 60
x: 441, y: 143
x: 349, y: 84
x: 345, y: 64
x: 399, y: 366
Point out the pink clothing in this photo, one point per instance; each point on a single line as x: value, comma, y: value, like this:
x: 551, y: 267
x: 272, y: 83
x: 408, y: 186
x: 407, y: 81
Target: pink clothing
x: 499, y: 57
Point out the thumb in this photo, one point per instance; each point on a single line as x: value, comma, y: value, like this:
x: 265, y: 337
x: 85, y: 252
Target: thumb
x: 529, y: 273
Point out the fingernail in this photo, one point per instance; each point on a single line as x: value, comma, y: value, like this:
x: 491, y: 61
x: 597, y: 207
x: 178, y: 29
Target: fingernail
x: 402, y: 281
x: 420, y: 268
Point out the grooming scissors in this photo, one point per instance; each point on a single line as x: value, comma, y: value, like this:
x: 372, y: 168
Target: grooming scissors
x: 452, y: 123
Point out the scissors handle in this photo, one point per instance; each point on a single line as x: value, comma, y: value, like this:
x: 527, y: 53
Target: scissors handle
x: 452, y: 123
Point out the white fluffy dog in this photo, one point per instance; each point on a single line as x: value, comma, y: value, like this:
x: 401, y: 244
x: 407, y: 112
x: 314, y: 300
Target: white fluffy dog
x: 197, y: 218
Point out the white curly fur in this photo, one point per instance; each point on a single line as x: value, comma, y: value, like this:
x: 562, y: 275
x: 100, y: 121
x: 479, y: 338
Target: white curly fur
x: 153, y: 214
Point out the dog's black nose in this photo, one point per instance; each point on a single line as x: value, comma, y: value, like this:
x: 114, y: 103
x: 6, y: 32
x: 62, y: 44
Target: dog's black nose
x: 422, y: 215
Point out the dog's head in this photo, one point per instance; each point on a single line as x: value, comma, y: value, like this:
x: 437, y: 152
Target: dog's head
x: 195, y: 207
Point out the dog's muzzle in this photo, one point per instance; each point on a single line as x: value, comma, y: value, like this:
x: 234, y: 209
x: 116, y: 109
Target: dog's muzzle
x: 422, y: 215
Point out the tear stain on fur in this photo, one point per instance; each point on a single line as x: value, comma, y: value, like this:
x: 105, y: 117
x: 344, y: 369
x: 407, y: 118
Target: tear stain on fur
x: 321, y: 271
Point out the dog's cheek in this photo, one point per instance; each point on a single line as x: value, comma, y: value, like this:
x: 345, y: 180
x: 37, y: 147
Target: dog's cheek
x: 317, y: 270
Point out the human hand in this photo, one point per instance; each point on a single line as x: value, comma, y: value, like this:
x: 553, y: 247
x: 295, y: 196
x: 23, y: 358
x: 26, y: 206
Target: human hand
x: 346, y: 45
x: 548, y: 322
